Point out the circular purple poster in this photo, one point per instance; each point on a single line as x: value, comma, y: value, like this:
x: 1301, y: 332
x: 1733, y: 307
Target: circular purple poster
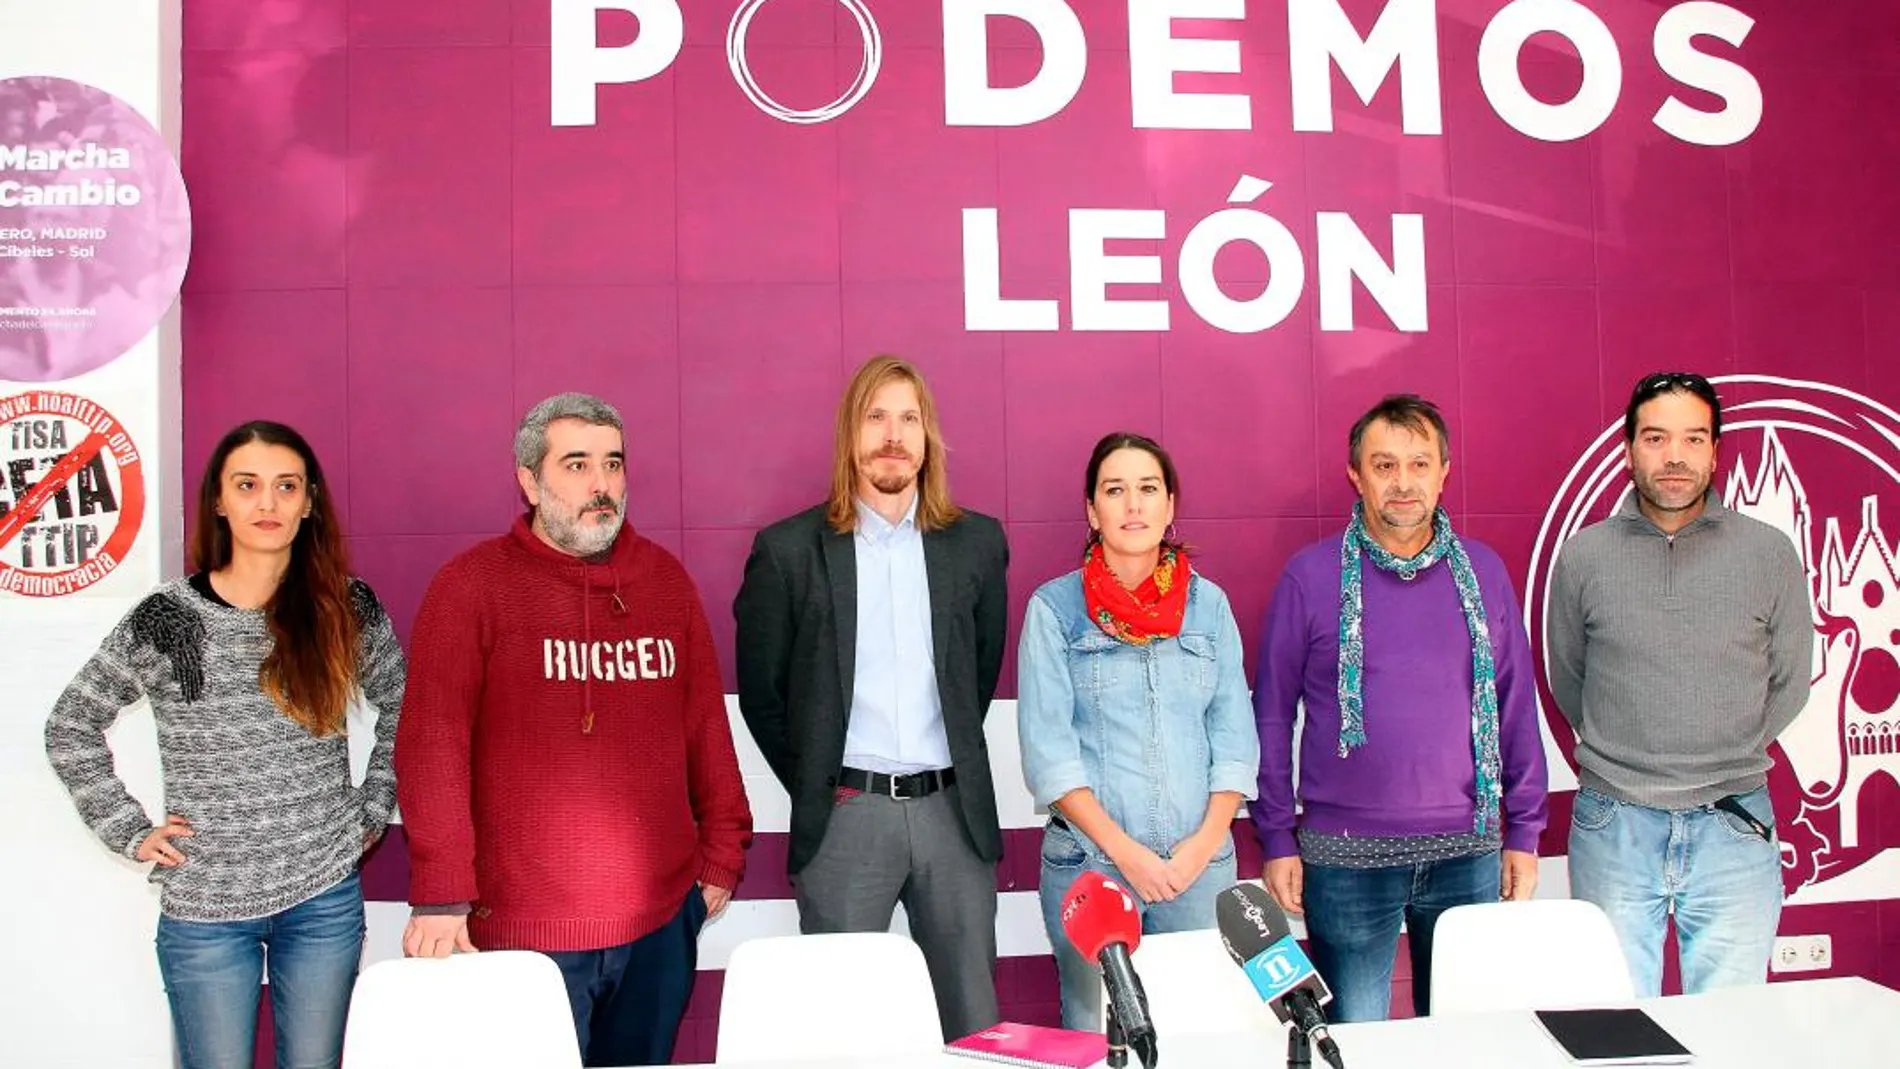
x: 94, y: 228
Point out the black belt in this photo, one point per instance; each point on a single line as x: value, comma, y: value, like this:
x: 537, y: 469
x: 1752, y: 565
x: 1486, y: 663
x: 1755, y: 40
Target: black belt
x: 1733, y: 807
x: 915, y: 785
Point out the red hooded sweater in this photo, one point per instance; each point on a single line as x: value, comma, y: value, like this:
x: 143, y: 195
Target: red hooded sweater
x: 563, y: 760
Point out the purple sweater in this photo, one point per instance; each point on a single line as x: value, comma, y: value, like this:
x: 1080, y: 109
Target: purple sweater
x: 1415, y: 775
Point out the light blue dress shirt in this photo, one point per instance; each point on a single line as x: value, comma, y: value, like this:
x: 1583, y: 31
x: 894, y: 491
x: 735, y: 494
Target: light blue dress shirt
x: 896, y: 723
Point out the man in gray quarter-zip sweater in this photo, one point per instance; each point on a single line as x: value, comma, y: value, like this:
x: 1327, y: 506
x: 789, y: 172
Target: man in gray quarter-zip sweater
x: 1680, y: 643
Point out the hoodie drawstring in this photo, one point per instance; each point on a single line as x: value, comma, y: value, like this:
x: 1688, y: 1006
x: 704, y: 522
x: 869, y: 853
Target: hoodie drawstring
x: 587, y: 640
x: 587, y: 637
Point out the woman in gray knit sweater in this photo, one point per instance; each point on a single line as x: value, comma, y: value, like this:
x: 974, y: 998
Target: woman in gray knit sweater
x: 249, y: 665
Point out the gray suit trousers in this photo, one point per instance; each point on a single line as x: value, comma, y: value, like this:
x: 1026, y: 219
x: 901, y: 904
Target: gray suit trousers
x: 878, y: 852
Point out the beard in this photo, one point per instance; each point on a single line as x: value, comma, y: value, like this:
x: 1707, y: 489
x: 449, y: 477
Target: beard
x: 1405, y: 515
x: 1676, y: 498
x: 893, y: 483
x: 578, y: 530
x: 889, y: 482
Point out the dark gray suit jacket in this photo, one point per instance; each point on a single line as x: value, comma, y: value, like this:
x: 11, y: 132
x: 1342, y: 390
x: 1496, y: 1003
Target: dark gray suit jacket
x: 797, y: 611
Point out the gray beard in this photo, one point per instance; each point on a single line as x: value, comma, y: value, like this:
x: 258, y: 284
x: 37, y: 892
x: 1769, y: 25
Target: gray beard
x: 583, y: 536
x: 1390, y: 517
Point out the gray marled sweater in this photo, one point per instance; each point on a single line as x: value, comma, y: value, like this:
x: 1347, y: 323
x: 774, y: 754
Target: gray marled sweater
x: 1678, y: 659
x: 276, y: 818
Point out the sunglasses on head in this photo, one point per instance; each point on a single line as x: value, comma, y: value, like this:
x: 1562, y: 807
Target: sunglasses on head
x: 1672, y: 380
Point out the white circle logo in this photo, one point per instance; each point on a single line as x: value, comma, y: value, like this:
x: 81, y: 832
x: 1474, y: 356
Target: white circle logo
x: 742, y: 71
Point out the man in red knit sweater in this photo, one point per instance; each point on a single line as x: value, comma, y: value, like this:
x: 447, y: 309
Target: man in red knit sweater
x: 564, y: 764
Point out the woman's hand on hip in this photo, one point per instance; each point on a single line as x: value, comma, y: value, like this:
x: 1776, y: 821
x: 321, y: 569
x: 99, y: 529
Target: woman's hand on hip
x: 158, y: 845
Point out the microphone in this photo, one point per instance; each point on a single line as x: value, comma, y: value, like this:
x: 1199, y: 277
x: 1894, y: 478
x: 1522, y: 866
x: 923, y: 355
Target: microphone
x: 1099, y: 918
x: 1255, y: 931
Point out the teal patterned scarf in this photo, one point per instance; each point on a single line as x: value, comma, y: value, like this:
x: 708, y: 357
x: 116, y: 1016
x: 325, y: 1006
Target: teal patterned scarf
x: 1352, y: 651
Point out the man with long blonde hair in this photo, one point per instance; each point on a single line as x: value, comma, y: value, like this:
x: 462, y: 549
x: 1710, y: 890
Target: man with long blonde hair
x: 871, y: 631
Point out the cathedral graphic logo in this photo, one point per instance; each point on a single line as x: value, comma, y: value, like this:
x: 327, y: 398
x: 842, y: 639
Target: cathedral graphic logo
x: 1821, y: 464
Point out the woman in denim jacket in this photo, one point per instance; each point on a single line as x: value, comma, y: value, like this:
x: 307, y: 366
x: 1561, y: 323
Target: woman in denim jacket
x: 1135, y: 724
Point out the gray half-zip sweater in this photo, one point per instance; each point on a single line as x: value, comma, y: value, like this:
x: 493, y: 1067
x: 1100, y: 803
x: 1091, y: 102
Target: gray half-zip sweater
x: 1678, y: 659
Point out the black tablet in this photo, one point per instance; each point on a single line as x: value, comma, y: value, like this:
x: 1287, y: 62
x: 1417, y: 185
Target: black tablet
x: 1613, y: 1037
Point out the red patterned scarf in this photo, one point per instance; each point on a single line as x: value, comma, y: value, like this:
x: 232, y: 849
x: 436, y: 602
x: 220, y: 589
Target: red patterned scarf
x: 1152, y: 610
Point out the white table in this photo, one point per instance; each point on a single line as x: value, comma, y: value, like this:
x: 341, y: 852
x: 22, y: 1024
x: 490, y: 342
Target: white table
x: 1829, y: 1024
x: 1842, y: 1023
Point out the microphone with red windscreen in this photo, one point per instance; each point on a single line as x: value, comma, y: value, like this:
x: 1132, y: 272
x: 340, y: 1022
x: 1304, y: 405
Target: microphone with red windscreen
x: 1100, y: 919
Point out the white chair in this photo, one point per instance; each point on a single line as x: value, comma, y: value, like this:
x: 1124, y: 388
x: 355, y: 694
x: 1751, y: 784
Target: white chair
x: 1194, y: 987
x: 499, y: 1009
x: 1548, y: 953
x: 807, y: 997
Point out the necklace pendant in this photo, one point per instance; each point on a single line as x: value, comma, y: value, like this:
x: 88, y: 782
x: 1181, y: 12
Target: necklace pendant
x: 1408, y: 574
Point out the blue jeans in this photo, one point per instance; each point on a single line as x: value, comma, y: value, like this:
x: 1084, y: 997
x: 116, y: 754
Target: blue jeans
x: 1721, y: 877
x: 213, y: 970
x: 1064, y: 859
x: 1353, y: 918
x: 628, y: 999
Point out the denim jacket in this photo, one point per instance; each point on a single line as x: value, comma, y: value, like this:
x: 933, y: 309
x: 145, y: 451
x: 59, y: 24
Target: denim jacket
x: 1153, y: 730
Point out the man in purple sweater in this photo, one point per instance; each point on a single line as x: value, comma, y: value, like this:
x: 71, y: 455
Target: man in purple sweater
x: 1421, y: 771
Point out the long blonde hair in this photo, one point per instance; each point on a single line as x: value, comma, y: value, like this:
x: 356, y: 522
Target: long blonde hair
x: 935, y: 511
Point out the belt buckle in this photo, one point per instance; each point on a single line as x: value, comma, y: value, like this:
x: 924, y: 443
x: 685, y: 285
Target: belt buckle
x: 896, y: 797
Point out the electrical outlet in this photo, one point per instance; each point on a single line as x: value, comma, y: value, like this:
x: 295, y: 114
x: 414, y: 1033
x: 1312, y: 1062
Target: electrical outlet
x: 1821, y: 952
x: 1802, y: 953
